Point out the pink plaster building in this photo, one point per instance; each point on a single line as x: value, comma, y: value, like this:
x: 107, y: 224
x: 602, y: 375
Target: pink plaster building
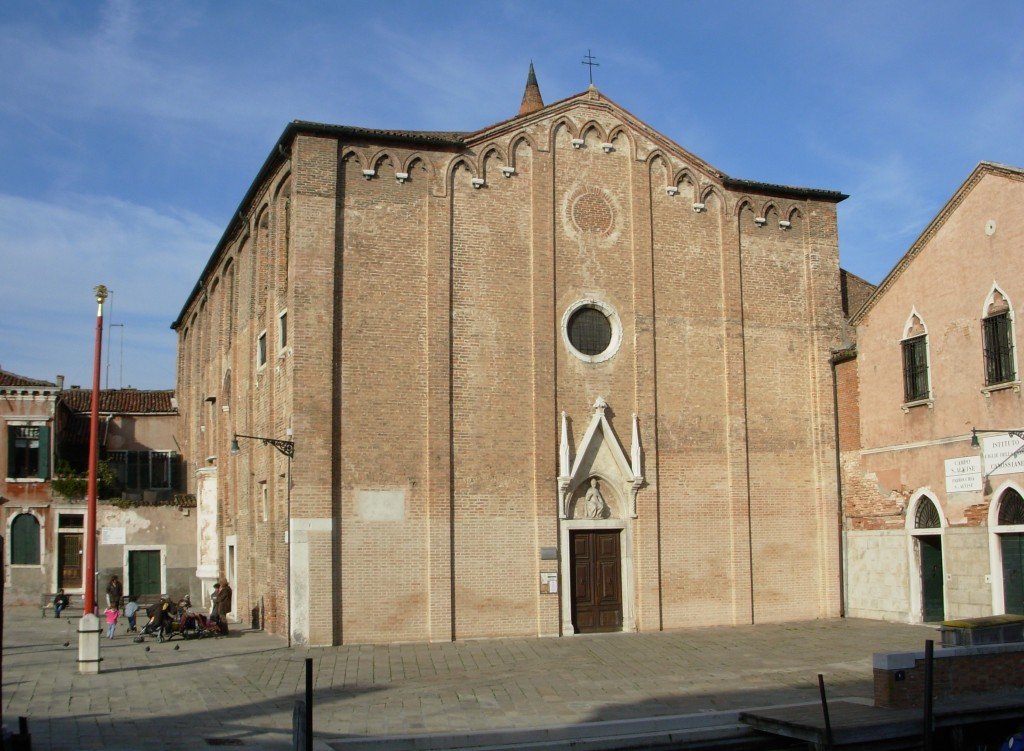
x: 934, y: 525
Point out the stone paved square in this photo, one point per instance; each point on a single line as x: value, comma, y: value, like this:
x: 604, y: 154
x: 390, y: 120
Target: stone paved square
x: 243, y: 687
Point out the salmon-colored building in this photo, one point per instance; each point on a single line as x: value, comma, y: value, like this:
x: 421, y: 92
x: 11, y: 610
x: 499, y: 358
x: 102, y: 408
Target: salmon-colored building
x: 551, y: 376
x: 934, y: 524
x: 146, y: 531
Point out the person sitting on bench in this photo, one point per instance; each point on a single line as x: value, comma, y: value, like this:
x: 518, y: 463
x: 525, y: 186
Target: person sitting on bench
x: 60, y: 602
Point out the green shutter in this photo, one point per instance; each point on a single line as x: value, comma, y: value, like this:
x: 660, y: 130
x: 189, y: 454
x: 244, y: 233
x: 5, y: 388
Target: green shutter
x: 44, y: 451
x: 175, y: 479
x: 10, y: 451
x: 25, y: 540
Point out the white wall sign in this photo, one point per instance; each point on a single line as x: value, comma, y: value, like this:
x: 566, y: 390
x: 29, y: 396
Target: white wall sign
x: 997, y: 449
x: 381, y: 505
x: 963, y: 474
x: 112, y: 536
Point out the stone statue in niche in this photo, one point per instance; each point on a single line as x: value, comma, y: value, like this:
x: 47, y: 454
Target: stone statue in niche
x: 594, y: 506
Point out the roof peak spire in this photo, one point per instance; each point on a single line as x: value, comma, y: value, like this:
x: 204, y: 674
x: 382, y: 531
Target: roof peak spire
x: 532, y: 100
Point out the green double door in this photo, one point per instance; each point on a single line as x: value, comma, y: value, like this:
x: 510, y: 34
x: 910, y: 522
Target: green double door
x: 1013, y: 573
x: 932, y: 578
x: 144, y: 572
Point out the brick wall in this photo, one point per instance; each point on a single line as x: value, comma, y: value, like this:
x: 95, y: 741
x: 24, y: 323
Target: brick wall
x: 963, y: 670
x: 427, y: 371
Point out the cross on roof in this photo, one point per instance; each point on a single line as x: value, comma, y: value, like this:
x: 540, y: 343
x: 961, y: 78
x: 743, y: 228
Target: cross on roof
x: 588, y: 60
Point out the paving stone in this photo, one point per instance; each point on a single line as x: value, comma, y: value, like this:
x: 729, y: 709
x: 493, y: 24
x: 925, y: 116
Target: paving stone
x: 244, y: 686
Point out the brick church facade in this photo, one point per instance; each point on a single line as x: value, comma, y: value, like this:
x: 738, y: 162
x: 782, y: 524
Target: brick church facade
x: 556, y: 375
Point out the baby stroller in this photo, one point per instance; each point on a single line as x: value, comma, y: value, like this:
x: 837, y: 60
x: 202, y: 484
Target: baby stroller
x: 167, y: 620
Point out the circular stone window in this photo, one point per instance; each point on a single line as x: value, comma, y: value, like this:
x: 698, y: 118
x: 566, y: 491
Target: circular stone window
x: 591, y: 330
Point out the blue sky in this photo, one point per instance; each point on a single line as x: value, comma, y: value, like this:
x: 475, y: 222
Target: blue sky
x: 131, y: 130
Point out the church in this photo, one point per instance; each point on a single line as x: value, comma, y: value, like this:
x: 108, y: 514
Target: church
x: 556, y: 375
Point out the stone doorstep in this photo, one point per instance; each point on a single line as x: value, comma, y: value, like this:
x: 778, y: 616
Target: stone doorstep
x: 644, y: 732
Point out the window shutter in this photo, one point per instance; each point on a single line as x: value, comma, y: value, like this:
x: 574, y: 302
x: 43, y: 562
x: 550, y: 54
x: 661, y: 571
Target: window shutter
x: 25, y: 540
x: 11, y: 459
x: 176, y: 472
x: 1006, y: 351
x: 44, y: 452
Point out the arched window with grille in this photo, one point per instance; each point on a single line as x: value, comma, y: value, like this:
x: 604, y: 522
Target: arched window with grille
x: 916, y: 382
x: 927, y: 515
x: 997, y: 336
x: 25, y: 540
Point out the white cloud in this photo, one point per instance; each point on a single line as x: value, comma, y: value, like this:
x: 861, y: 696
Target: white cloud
x: 56, y: 251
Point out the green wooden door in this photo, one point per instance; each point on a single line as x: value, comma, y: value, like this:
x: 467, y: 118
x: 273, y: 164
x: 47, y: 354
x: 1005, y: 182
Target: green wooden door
x: 1013, y: 573
x: 144, y: 572
x: 931, y: 578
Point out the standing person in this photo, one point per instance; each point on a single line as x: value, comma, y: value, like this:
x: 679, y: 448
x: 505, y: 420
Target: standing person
x: 214, y: 610
x: 111, y: 613
x: 115, y: 590
x: 60, y: 602
x: 130, y: 611
x: 223, y: 597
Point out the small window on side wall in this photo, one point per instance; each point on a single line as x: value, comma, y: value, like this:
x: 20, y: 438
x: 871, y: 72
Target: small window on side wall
x: 282, y: 329
x: 261, y: 350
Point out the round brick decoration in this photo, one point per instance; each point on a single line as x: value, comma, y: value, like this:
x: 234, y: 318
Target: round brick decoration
x: 593, y: 213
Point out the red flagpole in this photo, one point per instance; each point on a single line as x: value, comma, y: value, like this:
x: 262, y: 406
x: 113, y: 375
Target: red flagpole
x: 94, y: 450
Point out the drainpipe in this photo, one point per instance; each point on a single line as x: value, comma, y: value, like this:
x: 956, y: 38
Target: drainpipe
x: 840, y: 356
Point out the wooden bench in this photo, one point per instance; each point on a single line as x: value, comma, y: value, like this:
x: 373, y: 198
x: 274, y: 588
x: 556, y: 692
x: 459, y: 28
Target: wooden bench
x: 46, y: 602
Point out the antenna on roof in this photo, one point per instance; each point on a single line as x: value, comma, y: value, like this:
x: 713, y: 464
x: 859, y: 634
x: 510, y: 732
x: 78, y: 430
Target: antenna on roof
x: 588, y: 60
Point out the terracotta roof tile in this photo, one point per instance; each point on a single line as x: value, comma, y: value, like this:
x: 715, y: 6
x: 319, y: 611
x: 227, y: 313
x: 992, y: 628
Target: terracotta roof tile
x: 121, y: 401
x: 436, y: 137
x: 13, y: 379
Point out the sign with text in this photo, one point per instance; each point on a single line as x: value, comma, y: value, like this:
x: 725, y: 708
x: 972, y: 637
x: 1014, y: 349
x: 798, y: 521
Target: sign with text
x: 112, y: 536
x: 998, y: 451
x: 963, y: 474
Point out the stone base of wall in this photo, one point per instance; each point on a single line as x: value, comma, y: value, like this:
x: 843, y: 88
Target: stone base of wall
x: 899, y: 677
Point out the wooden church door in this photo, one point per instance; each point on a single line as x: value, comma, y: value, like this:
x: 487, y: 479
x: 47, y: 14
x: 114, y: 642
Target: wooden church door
x: 596, y: 581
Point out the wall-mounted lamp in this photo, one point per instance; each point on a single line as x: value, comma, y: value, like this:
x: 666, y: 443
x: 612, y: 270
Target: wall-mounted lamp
x: 285, y: 447
x: 975, y: 443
